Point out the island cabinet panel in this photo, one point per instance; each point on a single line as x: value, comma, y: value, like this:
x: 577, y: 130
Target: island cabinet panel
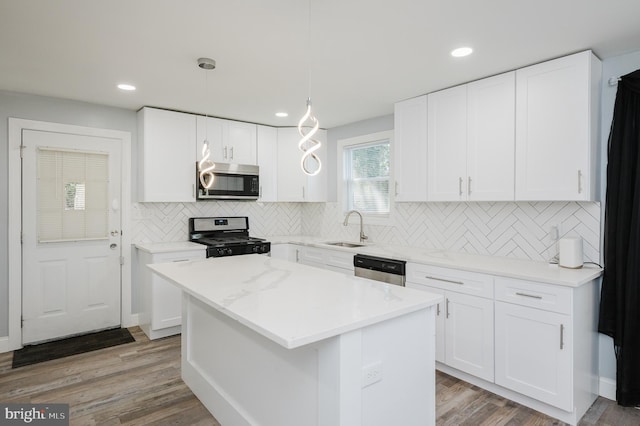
x: 166, y: 156
x: 557, y: 117
x: 410, y: 149
x: 244, y: 378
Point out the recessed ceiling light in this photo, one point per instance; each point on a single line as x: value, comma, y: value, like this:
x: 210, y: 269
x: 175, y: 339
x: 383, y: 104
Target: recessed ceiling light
x: 282, y: 114
x: 461, y: 51
x: 127, y: 87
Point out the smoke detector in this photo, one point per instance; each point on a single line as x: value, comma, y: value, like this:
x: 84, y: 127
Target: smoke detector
x: 206, y: 63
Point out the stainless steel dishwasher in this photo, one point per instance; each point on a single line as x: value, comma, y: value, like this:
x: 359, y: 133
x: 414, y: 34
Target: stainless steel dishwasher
x: 380, y: 269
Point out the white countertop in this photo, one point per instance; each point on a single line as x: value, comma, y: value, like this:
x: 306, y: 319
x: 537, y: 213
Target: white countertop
x: 290, y: 303
x: 493, y: 265
x: 175, y: 246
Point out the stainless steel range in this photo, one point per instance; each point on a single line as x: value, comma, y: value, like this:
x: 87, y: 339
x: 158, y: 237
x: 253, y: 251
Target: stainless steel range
x: 226, y: 236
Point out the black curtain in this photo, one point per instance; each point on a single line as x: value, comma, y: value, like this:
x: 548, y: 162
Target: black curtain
x: 620, y: 297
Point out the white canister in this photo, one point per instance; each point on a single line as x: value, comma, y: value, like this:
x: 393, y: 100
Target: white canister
x: 570, y: 252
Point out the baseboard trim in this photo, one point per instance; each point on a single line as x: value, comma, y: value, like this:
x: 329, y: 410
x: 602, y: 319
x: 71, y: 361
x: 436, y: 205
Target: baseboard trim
x: 131, y: 320
x: 607, y: 388
x: 4, y: 344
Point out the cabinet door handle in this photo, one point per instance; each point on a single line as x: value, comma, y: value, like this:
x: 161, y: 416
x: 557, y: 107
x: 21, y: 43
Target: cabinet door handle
x: 396, y: 189
x: 444, y: 280
x: 231, y: 150
x: 297, y: 255
x: 579, y: 181
x: 193, y: 189
x: 529, y: 295
x: 447, y: 309
x: 460, y: 186
x: 469, y: 185
x: 303, y: 192
x: 438, y: 310
x: 561, y: 336
x: 225, y: 152
x: 260, y: 191
x: 180, y: 260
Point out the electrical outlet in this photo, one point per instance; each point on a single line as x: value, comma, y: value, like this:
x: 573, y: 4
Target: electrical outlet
x: 371, y: 374
x: 553, y: 233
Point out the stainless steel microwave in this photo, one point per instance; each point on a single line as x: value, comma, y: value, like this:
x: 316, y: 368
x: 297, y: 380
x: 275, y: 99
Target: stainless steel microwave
x: 231, y: 182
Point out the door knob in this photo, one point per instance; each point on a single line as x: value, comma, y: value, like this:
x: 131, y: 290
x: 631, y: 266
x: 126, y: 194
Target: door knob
x: 113, y: 246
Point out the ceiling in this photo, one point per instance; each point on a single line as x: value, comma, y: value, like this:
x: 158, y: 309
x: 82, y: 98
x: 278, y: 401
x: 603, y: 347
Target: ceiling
x: 355, y: 58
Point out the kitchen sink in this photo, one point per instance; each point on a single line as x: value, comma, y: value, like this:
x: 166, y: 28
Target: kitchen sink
x: 345, y: 244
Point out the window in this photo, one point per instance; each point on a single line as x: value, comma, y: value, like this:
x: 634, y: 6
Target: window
x: 366, y: 174
x: 72, y: 195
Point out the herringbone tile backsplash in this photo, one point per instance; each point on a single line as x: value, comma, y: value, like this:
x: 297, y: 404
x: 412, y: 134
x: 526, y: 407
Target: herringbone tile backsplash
x: 519, y: 230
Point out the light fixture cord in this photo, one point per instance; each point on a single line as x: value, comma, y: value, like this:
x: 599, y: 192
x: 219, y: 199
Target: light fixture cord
x: 206, y: 166
x: 309, y: 51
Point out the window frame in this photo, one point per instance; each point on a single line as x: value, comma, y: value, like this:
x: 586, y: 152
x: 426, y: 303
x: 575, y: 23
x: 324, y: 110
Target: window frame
x: 342, y: 191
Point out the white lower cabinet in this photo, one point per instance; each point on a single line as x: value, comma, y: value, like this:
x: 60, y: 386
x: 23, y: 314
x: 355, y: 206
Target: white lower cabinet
x: 283, y: 251
x: 533, y: 353
x: 333, y: 260
x: 542, y: 338
x: 161, y: 301
x: 464, y: 323
x: 469, y: 334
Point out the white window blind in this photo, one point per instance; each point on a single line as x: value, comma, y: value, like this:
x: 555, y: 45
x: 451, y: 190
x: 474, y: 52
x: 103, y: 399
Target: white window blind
x: 72, y: 195
x: 366, y: 172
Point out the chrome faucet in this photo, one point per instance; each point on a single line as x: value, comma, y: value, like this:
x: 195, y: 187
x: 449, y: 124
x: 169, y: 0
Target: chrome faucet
x: 346, y: 222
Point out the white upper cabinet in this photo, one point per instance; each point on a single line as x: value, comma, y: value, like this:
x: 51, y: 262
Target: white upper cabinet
x: 268, y: 163
x: 166, y: 155
x: 293, y: 184
x: 447, y: 144
x: 556, y: 128
x: 491, y: 138
x: 229, y: 141
x: 471, y: 141
x: 410, y: 149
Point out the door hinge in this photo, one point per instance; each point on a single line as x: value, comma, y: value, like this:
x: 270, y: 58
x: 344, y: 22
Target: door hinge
x: 22, y: 147
x: 121, y: 260
x: 21, y: 321
x: 21, y: 237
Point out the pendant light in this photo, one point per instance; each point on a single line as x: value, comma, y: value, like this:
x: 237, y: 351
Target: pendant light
x: 308, y: 145
x: 205, y: 165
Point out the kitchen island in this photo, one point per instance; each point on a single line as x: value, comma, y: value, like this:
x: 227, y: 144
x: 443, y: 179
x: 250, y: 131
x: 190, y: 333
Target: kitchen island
x: 270, y: 342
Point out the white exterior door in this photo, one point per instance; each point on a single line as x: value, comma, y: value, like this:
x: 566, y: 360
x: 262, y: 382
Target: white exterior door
x: 71, y: 234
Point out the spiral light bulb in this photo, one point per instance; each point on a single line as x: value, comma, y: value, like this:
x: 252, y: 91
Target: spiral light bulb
x: 309, y: 151
x: 205, y: 167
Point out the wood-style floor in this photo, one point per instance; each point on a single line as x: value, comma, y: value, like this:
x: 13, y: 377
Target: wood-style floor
x: 139, y: 384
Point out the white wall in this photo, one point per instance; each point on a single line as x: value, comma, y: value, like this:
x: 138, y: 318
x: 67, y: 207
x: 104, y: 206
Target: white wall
x: 54, y: 110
